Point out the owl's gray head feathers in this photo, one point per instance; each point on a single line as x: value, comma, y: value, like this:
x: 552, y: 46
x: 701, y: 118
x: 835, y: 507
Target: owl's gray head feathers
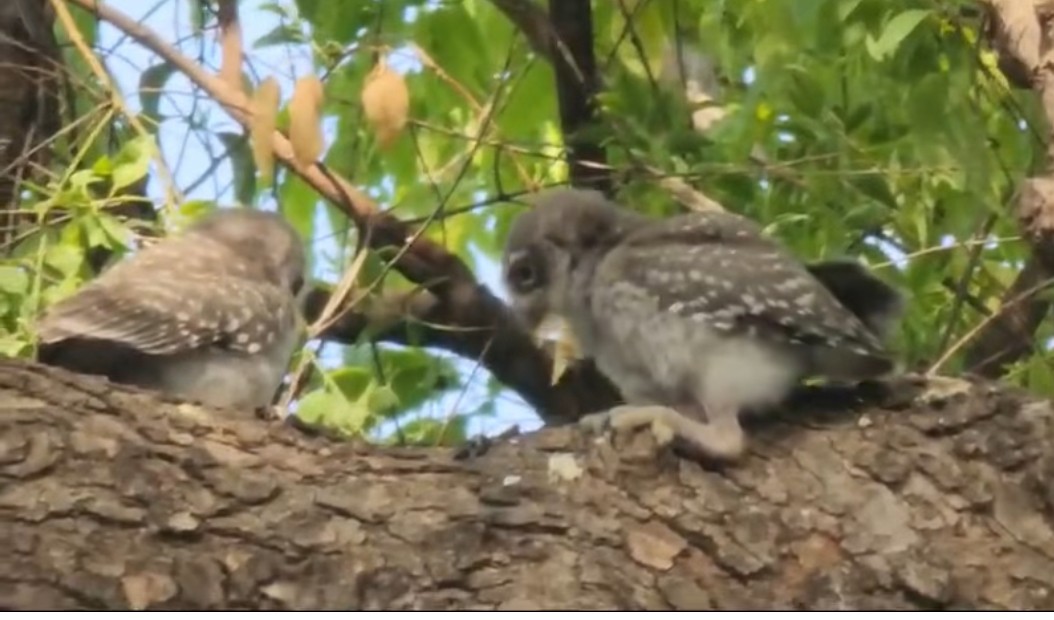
x: 270, y: 249
x: 878, y: 305
x: 223, y: 287
x: 564, y: 231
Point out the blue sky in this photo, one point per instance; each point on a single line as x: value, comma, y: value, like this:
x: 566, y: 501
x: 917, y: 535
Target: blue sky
x: 189, y: 151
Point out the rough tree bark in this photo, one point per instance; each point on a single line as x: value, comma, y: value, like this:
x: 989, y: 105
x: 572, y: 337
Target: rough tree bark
x: 923, y: 498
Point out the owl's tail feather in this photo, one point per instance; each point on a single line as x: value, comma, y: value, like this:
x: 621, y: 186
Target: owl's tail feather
x: 878, y: 305
x: 847, y: 364
x: 92, y: 357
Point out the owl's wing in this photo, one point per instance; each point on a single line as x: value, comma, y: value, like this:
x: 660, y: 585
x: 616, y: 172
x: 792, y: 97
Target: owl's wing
x: 182, y: 313
x: 720, y: 271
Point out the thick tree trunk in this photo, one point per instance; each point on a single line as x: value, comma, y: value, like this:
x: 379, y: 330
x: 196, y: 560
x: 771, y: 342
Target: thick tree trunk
x: 111, y: 499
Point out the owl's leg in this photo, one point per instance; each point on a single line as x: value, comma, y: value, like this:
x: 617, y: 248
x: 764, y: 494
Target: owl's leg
x: 721, y: 438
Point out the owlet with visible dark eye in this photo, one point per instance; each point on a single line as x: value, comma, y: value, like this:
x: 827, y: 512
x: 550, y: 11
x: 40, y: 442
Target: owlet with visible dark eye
x: 694, y: 318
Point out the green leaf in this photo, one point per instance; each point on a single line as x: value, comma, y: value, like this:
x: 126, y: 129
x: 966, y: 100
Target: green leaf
x: 13, y: 346
x: 93, y: 232
x: 846, y: 8
x: 805, y: 90
x: 433, y: 432
x: 117, y: 234
x: 647, y: 29
x: 353, y: 382
x: 874, y: 186
x: 330, y: 409
x: 317, y: 407
x: 65, y: 258
x: 242, y: 166
x: 895, y: 32
x: 383, y: 401
x: 13, y: 280
x: 193, y: 209
x: 151, y: 85
x: 132, y: 162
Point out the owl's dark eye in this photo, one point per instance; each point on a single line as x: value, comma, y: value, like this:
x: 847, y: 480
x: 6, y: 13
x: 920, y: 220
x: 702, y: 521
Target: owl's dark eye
x: 523, y: 275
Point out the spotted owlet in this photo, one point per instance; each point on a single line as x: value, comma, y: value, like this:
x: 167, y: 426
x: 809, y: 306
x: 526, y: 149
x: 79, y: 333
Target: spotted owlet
x: 695, y: 318
x: 209, y: 315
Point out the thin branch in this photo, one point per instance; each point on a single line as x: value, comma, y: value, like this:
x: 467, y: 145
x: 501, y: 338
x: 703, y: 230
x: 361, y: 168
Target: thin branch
x: 577, y: 84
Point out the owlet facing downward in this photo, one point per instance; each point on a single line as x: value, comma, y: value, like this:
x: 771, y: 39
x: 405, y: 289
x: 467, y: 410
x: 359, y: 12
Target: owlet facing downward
x: 695, y: 318
x: 209, y: 315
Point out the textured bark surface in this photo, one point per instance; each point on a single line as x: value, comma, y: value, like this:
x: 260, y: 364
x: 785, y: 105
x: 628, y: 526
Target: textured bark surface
x: 929, y: 497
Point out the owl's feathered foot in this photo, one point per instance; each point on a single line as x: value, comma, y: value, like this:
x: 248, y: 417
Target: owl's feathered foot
x: 722, y: 439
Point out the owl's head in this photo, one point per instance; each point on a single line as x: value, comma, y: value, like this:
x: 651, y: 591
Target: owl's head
x: 264, y: 242
x: 562, y: 236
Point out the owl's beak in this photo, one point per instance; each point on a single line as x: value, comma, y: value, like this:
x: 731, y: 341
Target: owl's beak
x: 554, y: 334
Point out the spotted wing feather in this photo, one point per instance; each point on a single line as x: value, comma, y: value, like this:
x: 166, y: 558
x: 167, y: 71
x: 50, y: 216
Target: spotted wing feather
x: 718, y: 269
x: 166, y: 317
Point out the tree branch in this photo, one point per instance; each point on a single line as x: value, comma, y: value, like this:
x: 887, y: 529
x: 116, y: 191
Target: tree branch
x: 531, y: 20
x: 114, y: 500
x: 1016, y: 34
x: 503, y: 348
x: 577, y: 85
x: 565, y: 39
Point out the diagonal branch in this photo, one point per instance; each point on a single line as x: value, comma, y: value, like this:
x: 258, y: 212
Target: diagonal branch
x: 505, y: 349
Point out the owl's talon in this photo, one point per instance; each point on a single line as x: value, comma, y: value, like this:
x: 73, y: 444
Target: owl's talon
x: 722, y: 440
x: 625, y: 418
x: 663, y: 433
